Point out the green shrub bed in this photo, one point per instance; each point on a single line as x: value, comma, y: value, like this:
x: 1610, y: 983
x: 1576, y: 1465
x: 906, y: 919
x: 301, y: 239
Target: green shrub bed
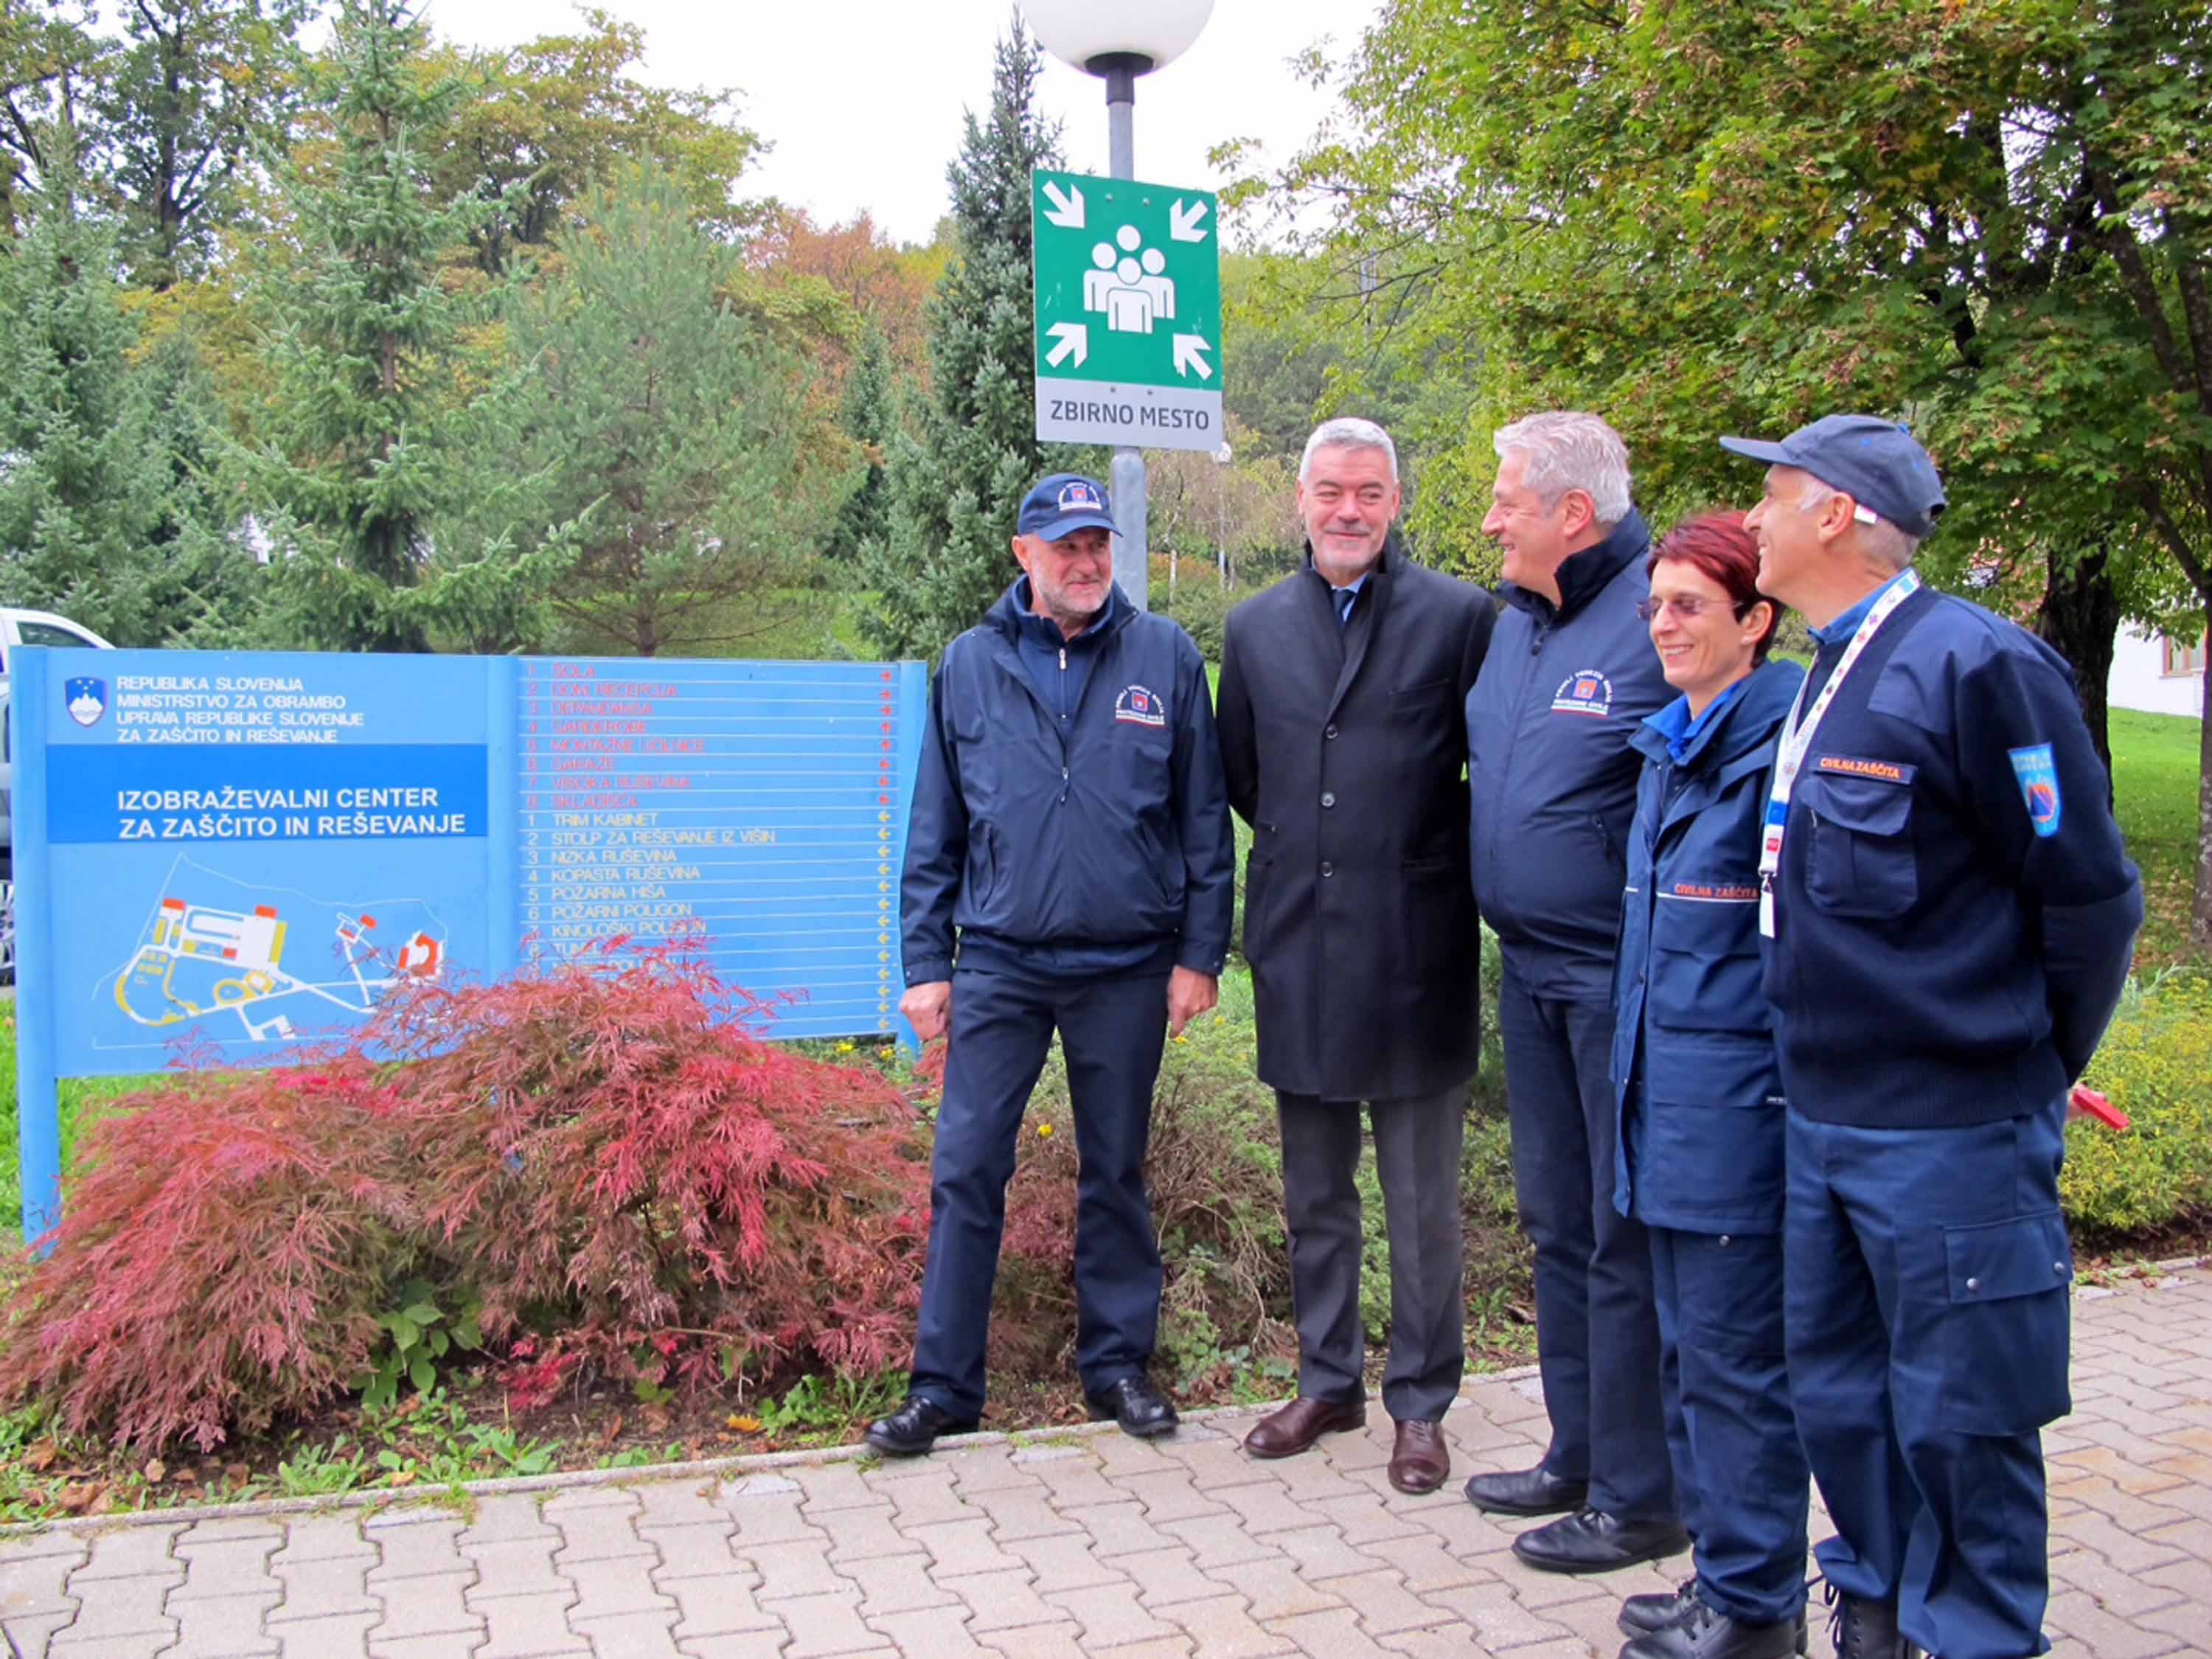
x: 2156, y: 1065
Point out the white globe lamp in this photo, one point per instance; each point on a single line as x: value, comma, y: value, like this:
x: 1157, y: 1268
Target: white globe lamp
x: 1086, y: 34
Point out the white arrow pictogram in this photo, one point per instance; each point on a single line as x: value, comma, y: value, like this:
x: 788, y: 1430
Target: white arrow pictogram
x: 1182, y: 220
x: 1190, y: 351
x: 1074, y: 338
x: 1067, y: 209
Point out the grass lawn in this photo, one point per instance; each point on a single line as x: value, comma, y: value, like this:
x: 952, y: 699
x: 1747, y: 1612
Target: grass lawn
x: 2155, y: 758
x: 2154, y: 769
x: 81, y: 1100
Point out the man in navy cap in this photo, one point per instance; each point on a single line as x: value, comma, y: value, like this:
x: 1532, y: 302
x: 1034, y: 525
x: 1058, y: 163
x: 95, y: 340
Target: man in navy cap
x: 1068, y: 867
x: 1948, y: 917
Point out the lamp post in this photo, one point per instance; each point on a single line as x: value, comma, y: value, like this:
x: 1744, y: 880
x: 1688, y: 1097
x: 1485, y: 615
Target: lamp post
x: 1222, y: 456
x: 1119, y: 40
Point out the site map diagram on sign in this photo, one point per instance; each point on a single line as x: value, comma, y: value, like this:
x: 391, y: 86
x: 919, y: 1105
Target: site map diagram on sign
x: 281, y: 962
x: 1128, y: 313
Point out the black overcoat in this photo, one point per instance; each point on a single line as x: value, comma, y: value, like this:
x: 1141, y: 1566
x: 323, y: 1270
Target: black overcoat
x: 1345, y: 750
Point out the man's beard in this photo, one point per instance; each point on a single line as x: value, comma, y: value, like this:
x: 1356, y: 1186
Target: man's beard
x: 1071, y: 620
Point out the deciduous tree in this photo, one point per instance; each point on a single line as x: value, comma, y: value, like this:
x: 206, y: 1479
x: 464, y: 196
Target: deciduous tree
x: 548, y: 120
x: 1987, y: 218
x: 45, y: 51
x: 177, y: 111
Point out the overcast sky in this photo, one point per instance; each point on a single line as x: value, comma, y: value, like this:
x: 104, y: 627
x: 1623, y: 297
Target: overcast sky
x: 862, y: 99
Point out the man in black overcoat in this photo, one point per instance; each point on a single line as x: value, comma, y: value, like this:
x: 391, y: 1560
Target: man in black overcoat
x: 1339, y: 701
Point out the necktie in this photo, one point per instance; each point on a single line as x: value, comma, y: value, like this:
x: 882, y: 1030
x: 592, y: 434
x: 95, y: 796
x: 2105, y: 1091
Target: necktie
x: 1344, y: 597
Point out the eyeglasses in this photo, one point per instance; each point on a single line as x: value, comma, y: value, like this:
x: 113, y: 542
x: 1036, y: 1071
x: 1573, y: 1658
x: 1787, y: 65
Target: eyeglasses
x: 1689, y: 607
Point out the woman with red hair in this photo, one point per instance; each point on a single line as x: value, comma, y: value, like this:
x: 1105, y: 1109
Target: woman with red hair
x: 1700, y: 1098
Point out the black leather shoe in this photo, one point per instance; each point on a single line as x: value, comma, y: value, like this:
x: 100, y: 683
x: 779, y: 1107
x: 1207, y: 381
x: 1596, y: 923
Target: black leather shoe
x: 1865, y: 1629
x: 1136, y: 1405
x: 913, y: 1429
x: 1660, y: 1610
x: 1590, y: 1540
x: 1706, y: 1634
x: 1527, y: 1491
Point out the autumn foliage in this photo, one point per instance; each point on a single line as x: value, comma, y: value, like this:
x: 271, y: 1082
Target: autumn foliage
x: 614, y: 1159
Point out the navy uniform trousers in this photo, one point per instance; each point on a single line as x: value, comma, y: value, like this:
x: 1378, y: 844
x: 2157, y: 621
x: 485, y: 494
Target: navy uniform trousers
x: 1111, y: 1029
x: 1739, y: 1470
x: 1597, y: 1334
x: 1927, y: 1324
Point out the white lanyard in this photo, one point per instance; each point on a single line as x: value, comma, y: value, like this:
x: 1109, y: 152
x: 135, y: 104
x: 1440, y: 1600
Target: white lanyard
x: 1797, y: 740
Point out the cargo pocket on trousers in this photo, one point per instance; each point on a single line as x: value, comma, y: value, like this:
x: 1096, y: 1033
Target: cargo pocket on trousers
x: 2005, y: 1328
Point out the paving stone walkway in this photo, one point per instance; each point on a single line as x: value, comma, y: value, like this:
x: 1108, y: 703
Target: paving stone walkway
x: 1082, y: 1544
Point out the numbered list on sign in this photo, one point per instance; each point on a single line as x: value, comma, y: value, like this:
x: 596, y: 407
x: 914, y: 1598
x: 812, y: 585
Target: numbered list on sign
x: 751, y: 811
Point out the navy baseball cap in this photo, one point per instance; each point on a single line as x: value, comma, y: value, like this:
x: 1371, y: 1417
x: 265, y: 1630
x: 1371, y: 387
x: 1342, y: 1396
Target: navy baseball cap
x: 1877, y: 462
x: 1063, y: 504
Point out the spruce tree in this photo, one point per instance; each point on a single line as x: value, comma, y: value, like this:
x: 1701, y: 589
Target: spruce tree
x: 366, y: 347
x: 663, y: 425
x: 957, y: 482
x: 869, y: 418
x: 83, y: 487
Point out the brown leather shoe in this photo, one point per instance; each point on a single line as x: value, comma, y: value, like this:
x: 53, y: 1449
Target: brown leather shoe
x: 1421, y: 1458
x: 1299, y: 1425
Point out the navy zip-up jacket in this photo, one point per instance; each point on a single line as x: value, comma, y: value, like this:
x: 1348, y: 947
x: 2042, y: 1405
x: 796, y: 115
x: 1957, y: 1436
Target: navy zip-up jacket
x: 1068, y: 848
x: 1562, y: 692
x: 1954, y: 912
x: 1696, y: 1086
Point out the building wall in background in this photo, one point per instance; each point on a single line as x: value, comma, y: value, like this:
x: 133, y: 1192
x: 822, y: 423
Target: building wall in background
x: 2157, y: 673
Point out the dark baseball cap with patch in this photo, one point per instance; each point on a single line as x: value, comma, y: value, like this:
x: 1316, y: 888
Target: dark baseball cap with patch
x: 1877, y: 462
x: 1061, y: 504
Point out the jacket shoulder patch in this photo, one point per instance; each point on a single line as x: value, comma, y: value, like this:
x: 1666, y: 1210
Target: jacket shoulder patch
x: 2037, y: 772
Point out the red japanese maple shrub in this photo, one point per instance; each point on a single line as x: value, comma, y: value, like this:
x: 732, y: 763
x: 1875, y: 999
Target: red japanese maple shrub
x: 626, y: 1147
x: 613, y: 1149
x: 223, y: 1255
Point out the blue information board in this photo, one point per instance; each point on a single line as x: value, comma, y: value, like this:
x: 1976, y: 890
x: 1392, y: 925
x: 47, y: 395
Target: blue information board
x: 237, y: 852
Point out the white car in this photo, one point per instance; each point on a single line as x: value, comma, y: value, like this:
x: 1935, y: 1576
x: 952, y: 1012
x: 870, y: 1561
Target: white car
x: 22, y: 627
x: 40, y: 628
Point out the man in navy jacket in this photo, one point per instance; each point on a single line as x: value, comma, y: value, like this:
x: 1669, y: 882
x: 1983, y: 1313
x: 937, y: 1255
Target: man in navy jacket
x: 1069, y: 866
x: 1948, y: 920
x: 1568, y: 678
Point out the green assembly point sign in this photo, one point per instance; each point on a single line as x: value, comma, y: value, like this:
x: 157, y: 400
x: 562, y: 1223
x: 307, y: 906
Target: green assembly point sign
x: 1129, y: 313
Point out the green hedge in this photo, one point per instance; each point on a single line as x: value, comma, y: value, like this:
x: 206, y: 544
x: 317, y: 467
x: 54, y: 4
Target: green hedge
x: 2157, y: 1065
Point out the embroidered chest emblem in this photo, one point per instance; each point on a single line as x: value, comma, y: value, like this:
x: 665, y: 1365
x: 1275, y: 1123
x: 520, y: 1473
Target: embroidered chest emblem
x: 1585, y: 692
x: 1138, y: 707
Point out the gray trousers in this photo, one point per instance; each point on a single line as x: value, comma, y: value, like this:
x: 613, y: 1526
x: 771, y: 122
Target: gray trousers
x: 1417, y: 1154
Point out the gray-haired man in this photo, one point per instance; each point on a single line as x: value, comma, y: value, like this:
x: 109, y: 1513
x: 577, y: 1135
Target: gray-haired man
x: 1339, y: 718
x: 1548, y: 727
